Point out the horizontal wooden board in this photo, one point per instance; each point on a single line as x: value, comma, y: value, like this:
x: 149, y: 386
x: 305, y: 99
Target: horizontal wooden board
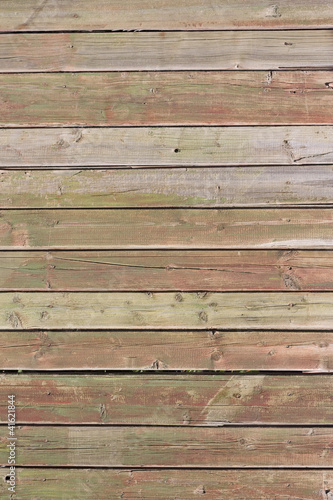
x: 196, y: 400
x: 308, y: 351
x: 170, y: 146
x: 61, y: 15
x: 295, y: 228
x: 167, y: 98
x: 176, y: 447
x: 145, y: 310
x: 214, y: 50
x: 159, y: 187
x: 226, y: 270
x: 90, y: 484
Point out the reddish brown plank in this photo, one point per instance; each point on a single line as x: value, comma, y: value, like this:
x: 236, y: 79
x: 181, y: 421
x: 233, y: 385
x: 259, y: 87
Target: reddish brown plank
x: 176, y: 447
x: 182, y: 270
x: 168, y: 98
x: 307, y: 351
x: 152, y: 399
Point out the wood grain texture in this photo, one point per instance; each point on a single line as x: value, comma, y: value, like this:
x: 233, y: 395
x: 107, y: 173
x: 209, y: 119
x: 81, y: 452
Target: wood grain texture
x: 228, y: 270
x: 158, y: 310
x: 214, y: 50
x: 158, y: 187
x: 272, y: 228
x: 90, y: 484
x: 170, y: 146
x: 62, y: 15
x: 195, y: 400
x: 167, y: 98
x: 308, y: 351
x: 176, y: 447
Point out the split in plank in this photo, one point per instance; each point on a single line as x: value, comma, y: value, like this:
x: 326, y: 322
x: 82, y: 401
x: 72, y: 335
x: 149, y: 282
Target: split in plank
x: 166, y: 310
x: 167, y: 350
x: 176, y: 447
x: 164, y: 187
x: 90, y: 484
x: 168, y: 98
x: 271, y: 228
x: 64, y: 15
x: 163, y: 270
x: 166, y: 146
x: 196, y: 400
x: 152, y: 51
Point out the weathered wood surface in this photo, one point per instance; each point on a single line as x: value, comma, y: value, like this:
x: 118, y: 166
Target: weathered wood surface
x: 177, y: 447
x: 158, y: 187
x: 214, y: 50
x: 227, y: 270
x: 167, y: 98
x: 166, y: 146
x: 196, y: 400
x: 145, y: 310
x: 272, y: 228
x: 307, y: 351
x: 90, y: 484
x: 62, y: 15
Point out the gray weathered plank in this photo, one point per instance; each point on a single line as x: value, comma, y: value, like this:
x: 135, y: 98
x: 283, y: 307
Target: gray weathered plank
x: 151, y: 399
x: 59, y: 15
x: 166, y: 146
x: 227, y: 270
x: 308, y: 351
x: 90, y: 484
x: 166, y: 98
x: 157, y: 187
x: 271, y: 228
x: 214, y: 50
x: 158, y: 310
x: 177, y: 447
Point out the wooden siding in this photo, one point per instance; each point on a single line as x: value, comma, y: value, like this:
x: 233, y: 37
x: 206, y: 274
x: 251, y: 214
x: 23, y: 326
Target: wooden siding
x: 166, y: 272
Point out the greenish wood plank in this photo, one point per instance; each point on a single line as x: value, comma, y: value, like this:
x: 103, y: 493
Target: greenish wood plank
x: 152, y: 399
x: 163, y: 270
x: 176, y: 447
x: 166, y: 187
x: 90, y: 484
x: 308, y: 351
x: 182, y: 50
x: 295, y: 228
x: 166, y: 146
x: 158, y: 310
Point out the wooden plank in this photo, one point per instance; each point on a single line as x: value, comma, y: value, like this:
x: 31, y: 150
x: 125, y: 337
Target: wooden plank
x: 158, y: 310
x: 167, y: 98
x: 62, y: 15
x: 196, y: 400
x: 90, y: 484
x: 171, y: 146
x: 175, y: 447
x: 167, y: 229
x: 158, y: 187
x: 167, y: 350
x: 227, y: 270
x: 182, y: 50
